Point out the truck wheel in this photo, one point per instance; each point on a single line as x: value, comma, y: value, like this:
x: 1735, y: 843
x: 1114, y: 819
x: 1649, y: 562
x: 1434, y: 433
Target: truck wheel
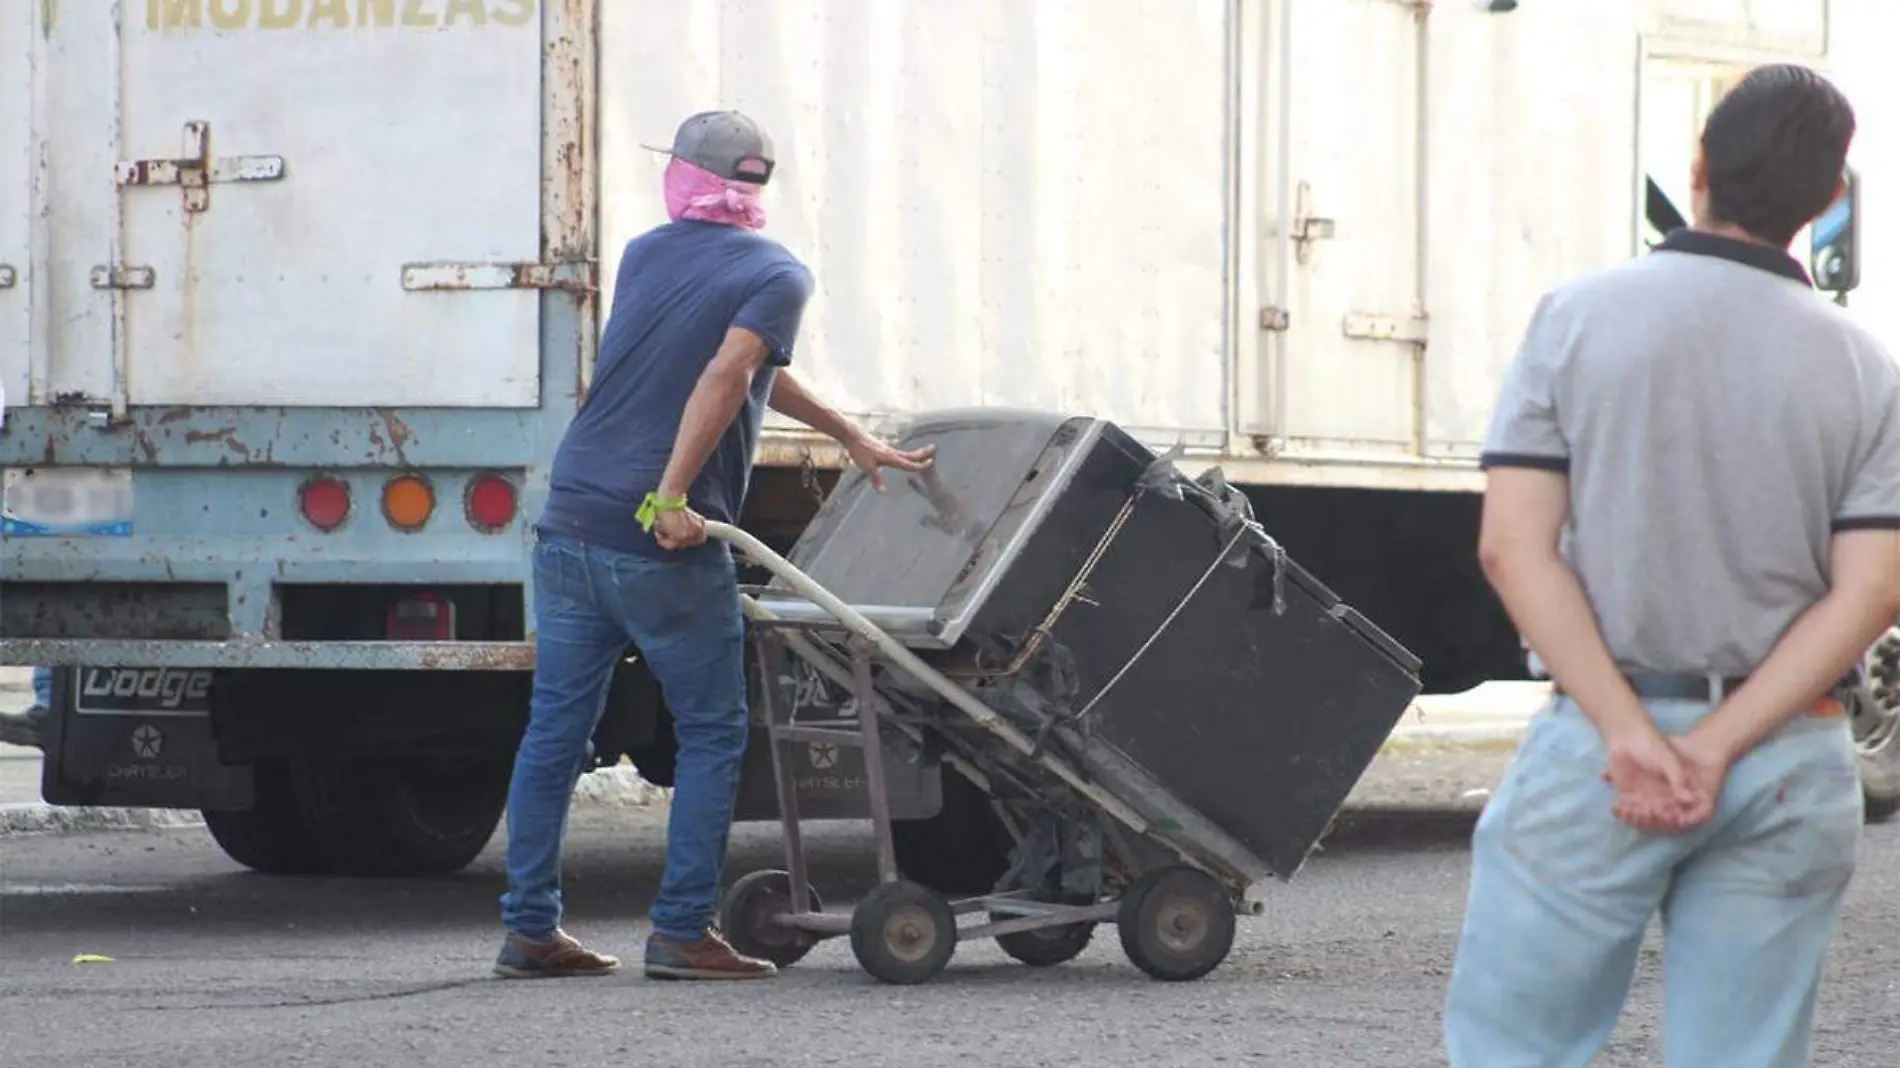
x: 270, y: 836
x: 961, y: 851
x: 1876, y: 721
x: 401, y: 817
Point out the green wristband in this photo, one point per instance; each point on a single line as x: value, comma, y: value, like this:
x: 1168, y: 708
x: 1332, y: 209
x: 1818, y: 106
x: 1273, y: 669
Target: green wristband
x: 653, y: 505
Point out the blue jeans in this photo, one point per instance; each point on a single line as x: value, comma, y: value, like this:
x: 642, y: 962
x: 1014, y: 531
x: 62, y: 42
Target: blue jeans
x: 684, y: 616
x: 43, y: 687
x: 1561, y: 892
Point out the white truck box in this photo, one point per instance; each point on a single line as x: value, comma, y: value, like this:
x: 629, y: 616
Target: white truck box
x: 1303, y: 231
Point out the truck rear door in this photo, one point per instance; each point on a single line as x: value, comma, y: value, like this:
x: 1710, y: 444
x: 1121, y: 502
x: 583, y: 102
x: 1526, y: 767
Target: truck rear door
x: 298, y: 203
x: 1342, y: 327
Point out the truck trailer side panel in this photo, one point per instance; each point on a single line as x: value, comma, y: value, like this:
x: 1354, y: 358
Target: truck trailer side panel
x: 1532, y: 178
x: 1003, y: 203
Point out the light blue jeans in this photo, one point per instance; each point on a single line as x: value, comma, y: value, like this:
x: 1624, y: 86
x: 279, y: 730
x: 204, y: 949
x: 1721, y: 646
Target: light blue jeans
x: 1561, y: 892
x: 43, y: 687
x: 684, y: 615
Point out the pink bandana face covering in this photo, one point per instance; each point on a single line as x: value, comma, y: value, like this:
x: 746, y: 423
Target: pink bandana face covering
x: 695, y: 193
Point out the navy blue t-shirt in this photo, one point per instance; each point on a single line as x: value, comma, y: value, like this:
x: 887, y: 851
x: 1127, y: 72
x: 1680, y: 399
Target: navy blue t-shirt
x: 680, y: 287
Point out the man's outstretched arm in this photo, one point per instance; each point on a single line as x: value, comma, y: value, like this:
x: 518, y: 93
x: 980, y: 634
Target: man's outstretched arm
x: 791, y: 398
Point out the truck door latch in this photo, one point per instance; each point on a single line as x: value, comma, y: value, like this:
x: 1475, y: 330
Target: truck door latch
x: 197, y: 169
x: 578, y: 276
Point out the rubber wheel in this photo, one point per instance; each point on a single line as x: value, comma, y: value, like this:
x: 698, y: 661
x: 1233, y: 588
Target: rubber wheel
x: 1176, y: 924
x: 1046, y: 947
x: 902, y: 933
x: 270, y: 836
x: 407, y: 818
x: 746, y: 918
x: 963, y: 850
x: 1877, y: 729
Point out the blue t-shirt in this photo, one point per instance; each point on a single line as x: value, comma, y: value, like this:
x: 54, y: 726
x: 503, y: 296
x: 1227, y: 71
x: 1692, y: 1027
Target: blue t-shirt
x: 680, y: 287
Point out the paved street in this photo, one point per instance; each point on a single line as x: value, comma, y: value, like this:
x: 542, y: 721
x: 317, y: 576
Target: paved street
x: 215, y: 966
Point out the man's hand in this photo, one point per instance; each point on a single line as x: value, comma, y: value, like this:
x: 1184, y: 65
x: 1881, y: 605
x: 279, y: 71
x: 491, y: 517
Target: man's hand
x: 872, y: 454
x: 867, y: 452
x: 1659, y: 790
x: 681, y: 528
x: 1708, y: 769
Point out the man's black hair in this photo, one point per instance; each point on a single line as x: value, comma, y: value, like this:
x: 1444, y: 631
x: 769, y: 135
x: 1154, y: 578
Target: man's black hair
x: 1775, y: 147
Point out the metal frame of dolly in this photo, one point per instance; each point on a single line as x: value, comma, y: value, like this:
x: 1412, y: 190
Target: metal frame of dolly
x: 1176, y: 922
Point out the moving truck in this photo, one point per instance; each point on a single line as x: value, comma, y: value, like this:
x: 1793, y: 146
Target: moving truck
x: 296, y: 297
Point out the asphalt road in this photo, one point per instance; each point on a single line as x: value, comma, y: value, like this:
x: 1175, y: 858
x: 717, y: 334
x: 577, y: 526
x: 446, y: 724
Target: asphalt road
x: 215, y: 966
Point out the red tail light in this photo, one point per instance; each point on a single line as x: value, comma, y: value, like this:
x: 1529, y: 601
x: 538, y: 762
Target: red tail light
x: 325, y: 502
x: 423, y: 616
x: 491, y: 502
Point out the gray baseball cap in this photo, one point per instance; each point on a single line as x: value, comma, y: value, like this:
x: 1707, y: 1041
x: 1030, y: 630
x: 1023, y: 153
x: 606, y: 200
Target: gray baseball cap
x: 726, y: 143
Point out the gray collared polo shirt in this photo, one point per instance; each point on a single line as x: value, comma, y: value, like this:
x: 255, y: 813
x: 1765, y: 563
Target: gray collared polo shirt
x: 1719, y: 420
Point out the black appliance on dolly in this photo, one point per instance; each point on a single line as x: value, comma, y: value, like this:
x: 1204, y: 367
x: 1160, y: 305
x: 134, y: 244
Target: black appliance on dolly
x: 1162, y: 706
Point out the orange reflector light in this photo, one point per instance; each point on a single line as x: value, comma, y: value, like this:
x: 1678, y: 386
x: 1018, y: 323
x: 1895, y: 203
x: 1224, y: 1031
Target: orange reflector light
x: 325, y: 502
x: 407, y: 501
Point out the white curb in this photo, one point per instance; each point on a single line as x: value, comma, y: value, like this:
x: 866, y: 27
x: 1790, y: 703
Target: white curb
x: 616, y: 787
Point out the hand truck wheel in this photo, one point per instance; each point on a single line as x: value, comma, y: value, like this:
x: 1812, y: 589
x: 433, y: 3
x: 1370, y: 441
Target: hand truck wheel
x: 1176, y: 923
x: 748, y: 918
x: 1046, y: 947
x: 902, y: 933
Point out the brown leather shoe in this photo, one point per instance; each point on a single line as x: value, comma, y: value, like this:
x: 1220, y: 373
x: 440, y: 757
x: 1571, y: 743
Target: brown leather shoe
x: 562, y: 956
x: 708, y: 958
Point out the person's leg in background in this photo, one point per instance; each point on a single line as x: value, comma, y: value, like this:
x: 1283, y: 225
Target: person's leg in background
x: 685, y: 617
x: 1561, y: 892
x: 1747, y: 926
x: 576, y: 646
x: 29, y: 727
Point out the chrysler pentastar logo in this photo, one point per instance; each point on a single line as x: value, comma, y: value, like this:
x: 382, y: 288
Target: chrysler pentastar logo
x: 147, y: 742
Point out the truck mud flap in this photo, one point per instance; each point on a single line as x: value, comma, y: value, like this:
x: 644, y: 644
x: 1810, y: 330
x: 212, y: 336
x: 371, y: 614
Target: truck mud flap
x: 137, y: 738
x: 830, y: 779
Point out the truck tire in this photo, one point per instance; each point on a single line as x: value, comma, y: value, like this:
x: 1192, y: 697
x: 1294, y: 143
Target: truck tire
x: 963, y: 850
x: 401, y: 818
x: 1877, y: 728
x: 269, y: 837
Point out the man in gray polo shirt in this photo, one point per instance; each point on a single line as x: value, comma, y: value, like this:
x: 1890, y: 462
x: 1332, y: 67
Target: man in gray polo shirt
x: 1693, y: 517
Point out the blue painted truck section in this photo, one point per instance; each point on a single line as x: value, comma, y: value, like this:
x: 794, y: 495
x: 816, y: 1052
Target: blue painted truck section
x: 214, y: 513
x: 215, y: 501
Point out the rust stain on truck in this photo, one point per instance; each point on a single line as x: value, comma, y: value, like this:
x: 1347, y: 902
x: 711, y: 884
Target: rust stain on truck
x: 394, y: 441
x: 477, y: 657
x: 226, y: 435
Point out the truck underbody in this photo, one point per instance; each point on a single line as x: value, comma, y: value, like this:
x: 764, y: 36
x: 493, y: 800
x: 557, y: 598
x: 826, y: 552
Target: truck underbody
x: 404, y: 772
